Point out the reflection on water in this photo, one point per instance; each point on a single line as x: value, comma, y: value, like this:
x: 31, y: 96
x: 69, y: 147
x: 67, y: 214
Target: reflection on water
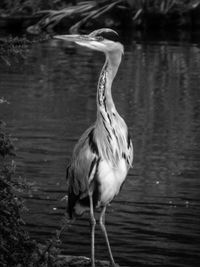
x: 155, y: 221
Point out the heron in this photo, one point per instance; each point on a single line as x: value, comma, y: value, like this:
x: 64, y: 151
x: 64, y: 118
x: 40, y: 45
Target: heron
x: 103, y: 155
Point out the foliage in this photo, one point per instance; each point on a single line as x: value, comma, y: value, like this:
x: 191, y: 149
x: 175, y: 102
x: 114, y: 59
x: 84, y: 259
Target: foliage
x: 162, y: 6
x: 87, y: 15
x: 30, y: 6
x: 59, y: 16
x: 16, y: 247
x: 11, y: 234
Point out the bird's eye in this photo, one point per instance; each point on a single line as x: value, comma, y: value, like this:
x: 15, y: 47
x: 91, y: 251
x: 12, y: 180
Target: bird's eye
x: 99, y: 38
x: 108, y: 35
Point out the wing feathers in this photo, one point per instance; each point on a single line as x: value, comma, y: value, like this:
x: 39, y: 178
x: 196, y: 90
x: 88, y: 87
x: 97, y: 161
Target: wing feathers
x: 82, y: 168
x: 82, y: 171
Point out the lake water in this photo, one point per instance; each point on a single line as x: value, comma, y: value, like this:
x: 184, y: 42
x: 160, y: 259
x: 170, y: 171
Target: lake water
x: 155, y: 221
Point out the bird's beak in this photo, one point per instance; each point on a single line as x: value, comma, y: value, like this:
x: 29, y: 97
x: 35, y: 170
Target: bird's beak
x: 71, y: 37
x: 83, y: 40
x: 75, y: 38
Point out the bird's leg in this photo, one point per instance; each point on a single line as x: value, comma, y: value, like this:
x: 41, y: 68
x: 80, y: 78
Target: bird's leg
x: 103, y: 228
x: 92, y: 223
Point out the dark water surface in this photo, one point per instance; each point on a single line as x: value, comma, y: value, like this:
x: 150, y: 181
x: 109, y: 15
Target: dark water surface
x: 155, y: 221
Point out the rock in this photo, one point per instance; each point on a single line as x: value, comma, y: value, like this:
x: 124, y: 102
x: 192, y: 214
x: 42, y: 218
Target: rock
x: 80, y: 261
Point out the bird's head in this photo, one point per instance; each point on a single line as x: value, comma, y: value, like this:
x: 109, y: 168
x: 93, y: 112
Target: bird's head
x: 104, y: 40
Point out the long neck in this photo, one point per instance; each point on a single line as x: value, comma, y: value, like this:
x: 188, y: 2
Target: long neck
x: 105, y: 104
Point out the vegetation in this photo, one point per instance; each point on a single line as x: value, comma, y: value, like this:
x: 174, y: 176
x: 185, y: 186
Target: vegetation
x: 167, y: 14
x: 85, y: 16
x: 162, y: 6
x: 16, y: 247
x: 73, y: 16
x: 14, y: 7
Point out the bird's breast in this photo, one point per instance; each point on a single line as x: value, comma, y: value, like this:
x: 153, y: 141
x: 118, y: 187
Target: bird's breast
x: 110, y: 179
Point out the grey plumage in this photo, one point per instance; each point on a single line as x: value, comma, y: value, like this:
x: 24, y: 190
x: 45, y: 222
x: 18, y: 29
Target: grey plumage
x: 104, y: 153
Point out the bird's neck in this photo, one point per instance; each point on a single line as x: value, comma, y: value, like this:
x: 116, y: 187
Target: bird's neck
x: 105, y: 104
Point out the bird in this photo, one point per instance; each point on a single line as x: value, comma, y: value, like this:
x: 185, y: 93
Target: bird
x: 103, y: 155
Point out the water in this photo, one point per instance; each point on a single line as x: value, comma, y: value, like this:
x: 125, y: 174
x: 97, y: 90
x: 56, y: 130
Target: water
x: 155, y: 221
